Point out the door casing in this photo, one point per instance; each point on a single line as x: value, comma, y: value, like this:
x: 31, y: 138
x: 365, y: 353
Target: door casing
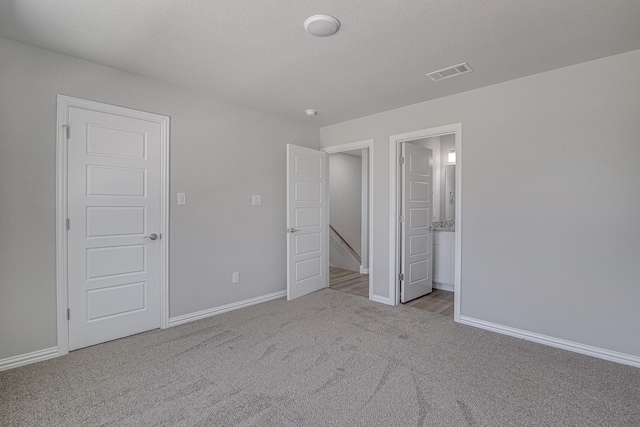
x: 395, y: 142
x: 63, y: 105
x: 355, y: 146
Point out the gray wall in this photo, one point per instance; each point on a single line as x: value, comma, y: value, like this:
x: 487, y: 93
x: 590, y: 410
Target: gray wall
x: 345, y: 194
x: 542, y: 249
x: 221, y: 154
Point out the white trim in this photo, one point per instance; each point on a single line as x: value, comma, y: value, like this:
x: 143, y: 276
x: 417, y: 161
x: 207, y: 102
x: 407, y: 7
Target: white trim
x: 600, y: 353
x: 381, y: 300
x: 61, y: 230
x: 367, y: 143
x: 364, y: 210
x: 444, y: 287
x: 185, y: 318
x: 457, y: 281
x: 63, y: 105
x: 394, y: 146
x: 25, y: 359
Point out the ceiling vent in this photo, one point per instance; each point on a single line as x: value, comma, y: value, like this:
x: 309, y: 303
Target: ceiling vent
x: 456, y: 70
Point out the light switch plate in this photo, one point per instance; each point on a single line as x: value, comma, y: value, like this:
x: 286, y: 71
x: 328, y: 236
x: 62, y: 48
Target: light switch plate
x: 182, y: 198
x: 256, y: 200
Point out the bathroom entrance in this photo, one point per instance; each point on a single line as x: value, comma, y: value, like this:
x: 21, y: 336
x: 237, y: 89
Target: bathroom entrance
x: 425, y: 258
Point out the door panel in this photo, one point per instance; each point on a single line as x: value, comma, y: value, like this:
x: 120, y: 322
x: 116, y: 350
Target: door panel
x: 115, y: 300
x: 113, y: 203
x: 417, y: 236
x: 110, y: 181
x: 307, y: 226
x: 115, y: 221
x: 308, y: 243
x: 115, y: 260
x: 111, y: 142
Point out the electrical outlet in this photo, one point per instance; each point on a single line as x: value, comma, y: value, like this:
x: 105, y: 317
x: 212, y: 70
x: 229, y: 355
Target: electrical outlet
x: 182, y: 199
x: 235, y: 277
x: 256, y: 200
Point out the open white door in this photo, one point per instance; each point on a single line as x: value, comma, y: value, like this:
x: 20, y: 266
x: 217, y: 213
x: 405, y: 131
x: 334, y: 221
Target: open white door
x: 307, y: 227
x: 417, y: 239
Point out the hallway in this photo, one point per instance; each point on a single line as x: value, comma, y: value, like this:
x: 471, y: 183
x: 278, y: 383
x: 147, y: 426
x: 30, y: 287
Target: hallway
x: 352, y: 282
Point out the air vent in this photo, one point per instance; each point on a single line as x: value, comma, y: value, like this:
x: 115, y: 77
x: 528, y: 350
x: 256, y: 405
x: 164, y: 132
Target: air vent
x: 445, y: 73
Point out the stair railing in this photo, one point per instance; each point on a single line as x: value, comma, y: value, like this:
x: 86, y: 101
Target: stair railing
x: 353, y: 251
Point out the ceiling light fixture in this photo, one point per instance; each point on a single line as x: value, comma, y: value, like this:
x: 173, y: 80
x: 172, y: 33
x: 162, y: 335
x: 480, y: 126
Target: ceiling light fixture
x: 310, y: 112
x: 321, y: 25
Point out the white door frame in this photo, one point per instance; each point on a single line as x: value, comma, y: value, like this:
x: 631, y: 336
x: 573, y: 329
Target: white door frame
x: 368, y: 143
x: 394, y: 236
x: 64, y: 103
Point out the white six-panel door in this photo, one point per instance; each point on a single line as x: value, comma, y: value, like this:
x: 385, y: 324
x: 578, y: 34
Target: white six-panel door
x: 307, y: 227
x: 114, y: 206
x: 417, y: 236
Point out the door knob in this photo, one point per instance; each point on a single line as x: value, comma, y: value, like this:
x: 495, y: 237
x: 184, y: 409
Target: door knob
x: 293, y: 230
x: 152, y: 236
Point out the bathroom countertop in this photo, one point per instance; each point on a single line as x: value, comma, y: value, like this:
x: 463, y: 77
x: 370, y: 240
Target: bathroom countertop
x: 449, y: 225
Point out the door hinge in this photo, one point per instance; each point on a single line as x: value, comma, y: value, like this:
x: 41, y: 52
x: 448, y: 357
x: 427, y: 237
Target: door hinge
x: 68, y: 223
x: 401, y: 219
x: 401, y: 277
x: 67, y: 131
x: 402, y: 160
x: 68, y: 314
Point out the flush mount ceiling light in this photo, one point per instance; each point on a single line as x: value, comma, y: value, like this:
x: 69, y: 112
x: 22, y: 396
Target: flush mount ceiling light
x: 310, y: 112
x: 321, y: 25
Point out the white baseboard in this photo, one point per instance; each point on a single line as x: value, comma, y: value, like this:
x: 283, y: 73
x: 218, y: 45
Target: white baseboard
x: 601, y: 353
x: 364, y: 270
x: 25, y: 359
x: 443, y: 286
x: 185, y: 318
x: 381, y: 300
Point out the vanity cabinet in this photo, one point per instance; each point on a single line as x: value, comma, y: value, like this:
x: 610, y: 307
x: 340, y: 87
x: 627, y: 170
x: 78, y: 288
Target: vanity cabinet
x: 443, y: 260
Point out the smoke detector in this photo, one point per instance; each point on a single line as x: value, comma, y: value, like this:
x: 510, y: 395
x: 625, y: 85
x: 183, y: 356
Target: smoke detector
x: 446, y: 73
x: 310, y: 112
x: 321, y: 25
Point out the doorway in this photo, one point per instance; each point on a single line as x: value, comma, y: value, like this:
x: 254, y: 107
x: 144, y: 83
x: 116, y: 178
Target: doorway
x: 446, y: 201
x: 351, y: 226
x: 112, y: 222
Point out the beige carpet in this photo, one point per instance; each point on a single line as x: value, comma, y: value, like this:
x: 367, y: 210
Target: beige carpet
x: 327, y: 359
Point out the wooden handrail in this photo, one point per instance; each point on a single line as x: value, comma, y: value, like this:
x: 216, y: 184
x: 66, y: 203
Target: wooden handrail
x: 353, y: 251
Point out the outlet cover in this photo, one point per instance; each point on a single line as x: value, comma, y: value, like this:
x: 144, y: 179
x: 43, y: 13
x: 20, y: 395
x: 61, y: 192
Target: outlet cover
x: 256, y: 200
x: 182, y: 199
x: 235, y: 277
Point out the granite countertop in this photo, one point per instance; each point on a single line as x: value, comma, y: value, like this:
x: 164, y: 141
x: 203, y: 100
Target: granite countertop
x: 449, y: 225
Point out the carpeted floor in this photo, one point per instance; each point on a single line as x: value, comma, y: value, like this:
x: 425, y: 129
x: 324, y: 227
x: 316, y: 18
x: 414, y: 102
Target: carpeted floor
x: 327, y: 359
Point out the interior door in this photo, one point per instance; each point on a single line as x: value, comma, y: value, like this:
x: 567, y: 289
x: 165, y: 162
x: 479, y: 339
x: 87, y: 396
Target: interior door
x: 307, y: 226
x: 114, y: 209
x: 416, y: 207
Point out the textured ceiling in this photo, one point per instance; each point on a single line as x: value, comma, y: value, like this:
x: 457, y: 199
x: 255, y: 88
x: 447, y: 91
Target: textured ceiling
x: 255, y: 52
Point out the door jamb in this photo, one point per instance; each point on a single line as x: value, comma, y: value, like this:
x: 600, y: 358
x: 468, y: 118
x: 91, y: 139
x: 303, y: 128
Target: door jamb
x: 368, y: 143
x: 63, y: 105
x: 394, y: 147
